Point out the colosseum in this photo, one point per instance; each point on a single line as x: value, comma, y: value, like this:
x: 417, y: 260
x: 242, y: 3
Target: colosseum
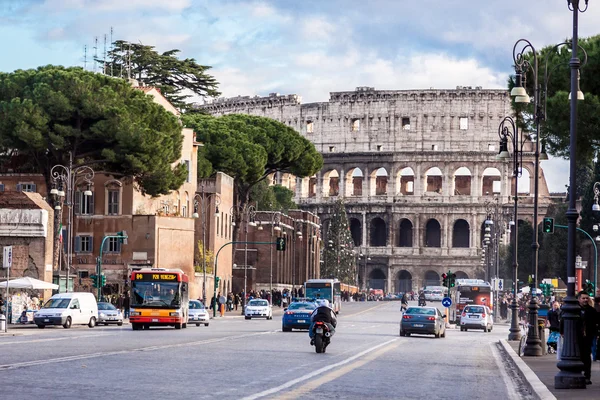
x: 417, y: 171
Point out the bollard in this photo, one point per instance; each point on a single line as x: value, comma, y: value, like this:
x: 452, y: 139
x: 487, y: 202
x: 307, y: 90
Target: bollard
x: 2, y: 322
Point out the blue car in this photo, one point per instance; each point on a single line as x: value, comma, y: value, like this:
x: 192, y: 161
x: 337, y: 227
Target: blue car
x: 297, y: 315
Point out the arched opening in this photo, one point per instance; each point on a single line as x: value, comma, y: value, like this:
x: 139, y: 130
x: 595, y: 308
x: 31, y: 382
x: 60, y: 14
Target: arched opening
x: 432, y: 278
x: 381, y: 181
x: 433, y: 234
x: 461, y: 275
x: 406, y: 181
x: 378, y: 232
x: 460, y: 234
x: 433, y: 180
x: 491, y: 182
x: 404, y: 283
x: 377, y: 279
x: 354, y: 182
x: 405, y: 238
x: 331, y: 183
x: 462, y: 182
x: 356, y: 231
x: 312, y: 186
x: 524, y: 180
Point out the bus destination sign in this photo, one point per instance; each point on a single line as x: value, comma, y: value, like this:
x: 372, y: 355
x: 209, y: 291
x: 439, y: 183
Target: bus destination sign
x: 155, y: 277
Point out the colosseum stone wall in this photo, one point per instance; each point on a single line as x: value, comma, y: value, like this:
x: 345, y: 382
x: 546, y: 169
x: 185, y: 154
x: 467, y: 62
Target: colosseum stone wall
x: 415, y: 169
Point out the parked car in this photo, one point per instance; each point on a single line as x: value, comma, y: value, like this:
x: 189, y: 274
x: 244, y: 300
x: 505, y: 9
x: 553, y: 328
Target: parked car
x: 66, y: 309
x: 423, y: 320
x: 297, y: 315
x: 109, y: 314
x: 198, y: 313
x: 476, y: 317
x: 258, y: 308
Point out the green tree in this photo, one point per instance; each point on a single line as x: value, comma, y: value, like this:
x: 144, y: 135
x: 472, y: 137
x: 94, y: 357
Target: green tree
x: 174, y: 77
x: 250, y: 148
x: 552, y: 258
x: 524, y: 256
x: 338, y: 255
x: 555, y: 130
x: 272, y: 197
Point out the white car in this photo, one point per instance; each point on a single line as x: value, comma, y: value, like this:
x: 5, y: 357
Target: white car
x: 258, y: 308
x: 109, y: 314
x: 476, y: 317
x: 198, y: 314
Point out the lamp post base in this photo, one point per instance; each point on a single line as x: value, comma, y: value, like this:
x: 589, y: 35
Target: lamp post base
x: 515, y: 332
x: 533, y: 346
x: 569, y: 380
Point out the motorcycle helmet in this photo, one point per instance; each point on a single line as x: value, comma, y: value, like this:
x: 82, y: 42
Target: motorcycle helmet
x: 323, y: 303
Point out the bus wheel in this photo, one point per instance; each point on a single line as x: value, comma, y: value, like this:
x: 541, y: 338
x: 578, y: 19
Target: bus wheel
x: 184, y: 326
x: 177, y: 326
x: 135, y: 327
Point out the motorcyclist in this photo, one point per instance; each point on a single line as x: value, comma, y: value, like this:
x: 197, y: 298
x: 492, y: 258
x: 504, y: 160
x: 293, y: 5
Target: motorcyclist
x: 422, y: 299
x: 404, y: 302
x: 325, y: 314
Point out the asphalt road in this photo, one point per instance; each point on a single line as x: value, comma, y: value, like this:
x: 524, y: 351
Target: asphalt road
x: 238, y: 359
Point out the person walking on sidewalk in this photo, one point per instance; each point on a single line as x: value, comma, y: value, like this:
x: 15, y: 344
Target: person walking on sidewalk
x: 587, y: 332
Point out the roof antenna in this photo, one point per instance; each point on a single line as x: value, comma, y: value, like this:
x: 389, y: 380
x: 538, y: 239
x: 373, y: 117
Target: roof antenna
x: 85, y: 57
x: 95, y: 52
x: 129, y: 62
x: 112, y: 49
x: 104, y: 57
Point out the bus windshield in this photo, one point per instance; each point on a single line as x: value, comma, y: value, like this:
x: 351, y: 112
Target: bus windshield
x: 319, y: 291
x: 155, y: 294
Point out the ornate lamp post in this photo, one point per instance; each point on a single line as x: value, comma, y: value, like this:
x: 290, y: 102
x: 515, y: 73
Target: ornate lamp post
x: 65, y: 180
x: 507, y: 131
x: 366, y: 258
x: 275, y: 222
x: 248, y: 213
x: 298, y: 229
x: 203, y: 202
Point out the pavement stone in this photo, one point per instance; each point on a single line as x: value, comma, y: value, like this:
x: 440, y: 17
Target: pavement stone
x: 540, y: 372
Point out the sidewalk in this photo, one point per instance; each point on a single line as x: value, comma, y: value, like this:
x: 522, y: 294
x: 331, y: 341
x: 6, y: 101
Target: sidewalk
x: 539, y: 372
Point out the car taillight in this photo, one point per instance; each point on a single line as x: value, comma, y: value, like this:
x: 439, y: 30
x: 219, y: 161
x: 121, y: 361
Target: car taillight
x: 483, y: 315
x: 431, y: 318
x: 406, y: 317
x: 289, y: 313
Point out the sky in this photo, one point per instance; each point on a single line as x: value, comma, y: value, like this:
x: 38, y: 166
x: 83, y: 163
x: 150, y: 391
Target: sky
x: 304, y: 47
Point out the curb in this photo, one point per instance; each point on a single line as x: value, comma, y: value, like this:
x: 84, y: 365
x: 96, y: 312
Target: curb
x: 537, y: 388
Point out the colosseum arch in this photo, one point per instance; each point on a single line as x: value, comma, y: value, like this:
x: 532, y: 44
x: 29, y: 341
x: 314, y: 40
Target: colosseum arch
x: 288, y: 181
x: 491, y: 182
x: 461, y: 234
x: 331, y: 183
x: 404, y: 282
x: 524, y: 181
x: 405, y: 181
x: 354, y: 182
x: 462, y: 182
x: 377, y: 279
x: 356, y: 231
x: 405, y: 236
x: 433, y: 233
x: 379, y: 182
x: 433, y: 180
x: 431, y: 278
x: 378, y: 232
x: 461, y: 275
x: 308, y: 187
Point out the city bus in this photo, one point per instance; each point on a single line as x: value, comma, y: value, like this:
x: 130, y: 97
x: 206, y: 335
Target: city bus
x: 469, y: 291
x: 159, y: 297
x: 329, y: 289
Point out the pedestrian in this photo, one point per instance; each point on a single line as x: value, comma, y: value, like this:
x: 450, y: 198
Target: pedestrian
x: 553, y: 324
x: 596, y: 349
x: 222, y: 301
x: 236, y: 301
x: 126, y: 305
x: 586, y: 333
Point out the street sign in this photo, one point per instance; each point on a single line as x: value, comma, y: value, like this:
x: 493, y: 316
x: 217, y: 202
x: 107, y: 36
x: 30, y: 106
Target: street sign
x: 7, y: 257
x: 446, y: 302
x: 498, y: 284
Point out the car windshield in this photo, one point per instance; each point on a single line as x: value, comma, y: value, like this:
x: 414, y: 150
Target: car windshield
x: 106, y: 306
x: 302, y: 306
x: 196, y: 305
x: 258, y: 303
x: 474, y: 310
x: 57, y: 303
x: 420, y: 311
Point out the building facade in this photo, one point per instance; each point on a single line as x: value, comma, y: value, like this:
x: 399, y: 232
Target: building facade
x: 416, y: 169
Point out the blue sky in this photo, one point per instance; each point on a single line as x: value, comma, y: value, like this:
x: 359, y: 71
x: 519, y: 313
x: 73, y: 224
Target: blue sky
x: 306, y: 47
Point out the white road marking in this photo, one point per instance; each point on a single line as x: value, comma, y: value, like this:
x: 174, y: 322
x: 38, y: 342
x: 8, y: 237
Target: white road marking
x: 510, y: 385
x: 112, y: 353
x: 54, y: 339
x: 315, y: 373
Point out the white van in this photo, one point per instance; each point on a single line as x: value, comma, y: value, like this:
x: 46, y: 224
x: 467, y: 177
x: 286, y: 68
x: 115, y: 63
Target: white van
x: 66, y: 309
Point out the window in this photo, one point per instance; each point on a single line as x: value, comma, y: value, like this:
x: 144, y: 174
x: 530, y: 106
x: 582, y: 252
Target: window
x: 84, y: 244
x: 464, y: 123
x: 1, y: 187
x: 434, y: 147
x: 491, y: 147
x: 379, y: 147
x: 189, y: 170
x: 331, y: 149
x: 84, y: 205
x: 310, y: 127
x: 112, y: 245
x: 26, y: 187
x: 113, y: 202
x: 406, y: 124
x: 355, y: 125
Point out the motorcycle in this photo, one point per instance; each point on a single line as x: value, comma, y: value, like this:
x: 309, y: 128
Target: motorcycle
x: 422, y: 303
x: 321, y: 336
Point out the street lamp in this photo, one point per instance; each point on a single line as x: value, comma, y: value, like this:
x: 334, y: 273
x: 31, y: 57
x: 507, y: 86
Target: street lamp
x: 203, y: 201
x: 570, y: 363
x: 65, y: 180
x: 298, y: 228
x: 275, y: 227
x: 596, y: 207
x: 247, y: 213
x: 366, y: 258
x: 508, y: 131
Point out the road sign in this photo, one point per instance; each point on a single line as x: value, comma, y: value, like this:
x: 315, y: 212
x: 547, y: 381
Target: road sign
x: 446, y: 302
x: 7, y: 259
x: 500, y: 284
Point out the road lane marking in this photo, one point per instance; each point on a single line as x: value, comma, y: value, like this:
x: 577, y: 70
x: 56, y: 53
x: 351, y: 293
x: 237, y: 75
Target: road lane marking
x: 112, y: 353
x: 317, y: 372
x: 54, y: 339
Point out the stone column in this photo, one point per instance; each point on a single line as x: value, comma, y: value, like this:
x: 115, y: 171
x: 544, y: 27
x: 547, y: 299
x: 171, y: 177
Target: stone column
x: 417, y: 234
x: 342, y: 180
x: 364, y: 229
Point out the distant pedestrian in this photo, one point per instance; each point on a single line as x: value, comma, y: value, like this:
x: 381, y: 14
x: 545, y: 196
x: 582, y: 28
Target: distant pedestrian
x: 586, y: 333
x: 126, y: 305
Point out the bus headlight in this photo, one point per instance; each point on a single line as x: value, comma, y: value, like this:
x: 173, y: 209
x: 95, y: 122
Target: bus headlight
x: 175, y: 314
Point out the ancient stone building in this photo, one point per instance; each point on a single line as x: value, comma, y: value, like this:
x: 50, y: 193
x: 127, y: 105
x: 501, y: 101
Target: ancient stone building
x: 415, y: 169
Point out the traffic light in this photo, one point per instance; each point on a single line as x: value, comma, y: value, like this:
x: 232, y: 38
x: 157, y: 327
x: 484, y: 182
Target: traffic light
x: 445, y: 281
x: 94, y: 279
x: 102, y: 280
x: 451, y: 279
x: 588, y: 287
x: 122, y: 237
x: 548, y: 225
x: 217, y: 280
x: 280, y: 244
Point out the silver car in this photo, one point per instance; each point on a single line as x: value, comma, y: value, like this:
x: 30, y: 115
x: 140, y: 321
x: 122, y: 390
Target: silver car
x: 109, y: 314
x: 198, y: 313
